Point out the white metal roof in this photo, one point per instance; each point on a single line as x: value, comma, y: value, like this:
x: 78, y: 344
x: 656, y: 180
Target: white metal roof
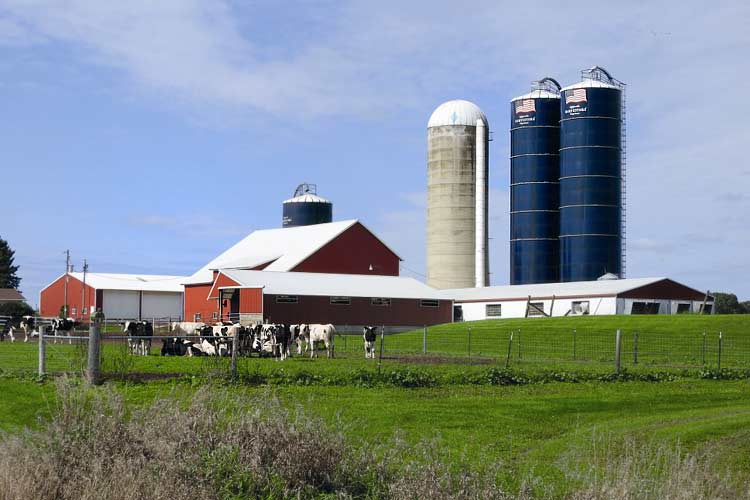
x: 141, y: 282
x: 573, y: 289
x: 590, y: 83
x: 456, y: 112
x: 307, y: 198
x: 537, y: 94
x: 337, y: 285
x: 283, y: 247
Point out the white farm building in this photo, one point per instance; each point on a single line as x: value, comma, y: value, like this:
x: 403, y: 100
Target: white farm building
x: 616, y: 296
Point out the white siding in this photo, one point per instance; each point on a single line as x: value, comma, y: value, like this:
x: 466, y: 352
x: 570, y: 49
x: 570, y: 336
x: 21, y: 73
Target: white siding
x: 599, y: 306
x: 162, y: 305
x: 120, y: 303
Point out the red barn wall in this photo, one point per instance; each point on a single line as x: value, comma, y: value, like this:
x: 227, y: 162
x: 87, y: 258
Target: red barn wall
x: 313, y: 309
x: 52, y: 298
x: 196, y: 302
x: 251, y: 300
x: 352, y: 252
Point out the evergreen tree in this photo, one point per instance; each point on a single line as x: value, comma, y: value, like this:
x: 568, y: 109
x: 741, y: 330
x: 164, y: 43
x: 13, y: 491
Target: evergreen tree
x: 8, y: 276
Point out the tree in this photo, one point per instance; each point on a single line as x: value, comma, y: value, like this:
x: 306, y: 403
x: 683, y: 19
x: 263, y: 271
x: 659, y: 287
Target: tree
x: 727, y: 303
x: 16, y: 309
x: 8, y: 276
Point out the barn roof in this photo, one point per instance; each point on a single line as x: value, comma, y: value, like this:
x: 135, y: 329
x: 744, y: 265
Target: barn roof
x: 10, y: 295
x: 283, y: 248
x: 333, y: 285
x: 572, y: 289
x: 138, y: 282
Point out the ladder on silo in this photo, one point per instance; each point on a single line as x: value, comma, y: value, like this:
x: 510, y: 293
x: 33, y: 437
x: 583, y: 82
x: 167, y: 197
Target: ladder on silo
x: 623, y: 184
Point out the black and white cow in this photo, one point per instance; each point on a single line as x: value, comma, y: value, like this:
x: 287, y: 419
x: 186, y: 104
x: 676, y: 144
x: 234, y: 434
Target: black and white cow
x: 370, y: 334
x: 282, y: 341
x: 28, y: 323
x: 139, y: 336
x: 175, y: 346
x: 63, y: 327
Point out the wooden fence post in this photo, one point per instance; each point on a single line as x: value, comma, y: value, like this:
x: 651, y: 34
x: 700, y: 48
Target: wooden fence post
x: 93, y: 374
x: 635, y: 347
x: 618, y: 346
x: 424, y: 340
x: 235, y: 345
x: 42, y: 349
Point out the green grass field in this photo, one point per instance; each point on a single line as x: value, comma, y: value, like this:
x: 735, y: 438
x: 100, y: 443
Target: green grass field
x: 549, y: 433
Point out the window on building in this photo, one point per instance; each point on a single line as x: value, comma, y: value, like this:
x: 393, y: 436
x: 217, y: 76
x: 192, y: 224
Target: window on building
x: 429, y: 303
x: 83, y: 311
x: 645, y: 308
x: 214, y: 315
x: 377, y: 301
x: 340, y: 301
x: 683, y: 308
x: 286, y: 299
x: 197, y: 317
x: 493, y: 310
x: 458, y: 313
x: 579, y: 307
x: 536, y: 309
x: 73, y: 311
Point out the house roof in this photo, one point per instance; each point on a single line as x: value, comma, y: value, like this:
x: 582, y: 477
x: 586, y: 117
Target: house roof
x: 323, y: 284
x: 284, y: 248
x: 10, y: 295
x: 138, y: 282
x: 572, y: 289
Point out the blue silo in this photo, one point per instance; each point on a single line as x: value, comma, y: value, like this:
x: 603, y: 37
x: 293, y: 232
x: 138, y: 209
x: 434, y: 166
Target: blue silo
x: 534, y: 185
x: 591, y: 177
x: 306, y: 208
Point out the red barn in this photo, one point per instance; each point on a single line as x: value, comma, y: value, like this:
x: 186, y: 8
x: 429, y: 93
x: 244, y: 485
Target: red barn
x: 345, y: 247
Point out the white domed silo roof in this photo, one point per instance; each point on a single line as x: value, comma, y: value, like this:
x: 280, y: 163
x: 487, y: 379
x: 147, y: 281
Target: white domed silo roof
x: 537, y: 94
x: 456, y: 112
x: 590, y: 83
x: 307, y: 198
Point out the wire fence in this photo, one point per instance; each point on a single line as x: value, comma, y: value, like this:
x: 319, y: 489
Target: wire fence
x: 461, y: 344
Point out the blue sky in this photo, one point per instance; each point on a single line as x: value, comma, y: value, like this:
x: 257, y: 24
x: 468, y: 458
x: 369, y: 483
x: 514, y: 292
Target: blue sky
x: 148, y: 136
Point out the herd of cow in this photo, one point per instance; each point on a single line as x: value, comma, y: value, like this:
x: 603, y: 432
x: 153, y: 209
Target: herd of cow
x: 201, y: 339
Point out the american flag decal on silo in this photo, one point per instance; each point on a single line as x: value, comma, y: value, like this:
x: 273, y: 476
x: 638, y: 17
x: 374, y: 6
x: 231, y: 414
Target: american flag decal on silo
x: 525, y: 106
x: 575, y: 95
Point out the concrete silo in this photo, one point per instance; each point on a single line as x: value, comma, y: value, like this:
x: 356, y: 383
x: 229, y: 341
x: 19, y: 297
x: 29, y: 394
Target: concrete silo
x: 457, y: 193
x: 535, y: 185
x: 592, y: 177
x: 306, y: 208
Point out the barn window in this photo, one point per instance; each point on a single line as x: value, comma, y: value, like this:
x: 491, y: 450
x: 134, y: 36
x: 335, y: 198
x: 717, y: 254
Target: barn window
x: 429, y: 303
x: 197, y: 317
x: 215, y: 315
x: 683, y: 308
x: 645, y: 308
x: 340, y: 301
x: 376, y: 301
x: 286, y: 299
x: 579, y: 307
x: 493, y: 310
x: 536, y: 309
x: 73, y: 311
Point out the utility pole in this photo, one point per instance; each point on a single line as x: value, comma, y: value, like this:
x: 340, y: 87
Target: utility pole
x: 83, y: 290
x: 67, y: 270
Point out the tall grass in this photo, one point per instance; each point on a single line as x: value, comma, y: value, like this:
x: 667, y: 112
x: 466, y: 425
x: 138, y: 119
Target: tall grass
x: 217, y: 447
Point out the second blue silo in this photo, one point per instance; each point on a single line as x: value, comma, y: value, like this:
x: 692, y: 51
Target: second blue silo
x: 534, y: 185
x: 306, y: 208
x: 591, y: 177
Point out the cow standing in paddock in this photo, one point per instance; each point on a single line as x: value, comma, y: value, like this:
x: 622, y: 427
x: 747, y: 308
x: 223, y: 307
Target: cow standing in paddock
x: 370, y: 334
x: 63, y: 326
x: 282, y: 340
x: 325, y: 334
x: 27, y: 325
x: 139, y: 336
x: 302, y: 338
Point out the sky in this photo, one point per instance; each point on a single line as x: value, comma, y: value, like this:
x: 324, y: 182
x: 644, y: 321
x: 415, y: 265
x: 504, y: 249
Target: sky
x: 147, y: 137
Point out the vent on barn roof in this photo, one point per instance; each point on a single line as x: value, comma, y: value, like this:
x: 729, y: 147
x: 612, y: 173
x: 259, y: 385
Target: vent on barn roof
x: 306, y: 208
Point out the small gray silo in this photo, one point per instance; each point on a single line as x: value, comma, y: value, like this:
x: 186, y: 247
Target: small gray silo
x: 306, y: 208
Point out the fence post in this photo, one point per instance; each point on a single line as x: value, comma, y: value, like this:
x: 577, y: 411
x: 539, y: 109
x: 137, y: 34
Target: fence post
x: 93, y: 373
x: 510, y: 346
x: 618, y: 346
x: 703, y: 351
x: 574, y: 344
x: 720, y: 345
x: 424, y: 340
x: 635, y: 347
x: 469, y: 345
x: 519, y: 344
x: 42, y: 349
x: 380, y: 356
x: 235, y: 345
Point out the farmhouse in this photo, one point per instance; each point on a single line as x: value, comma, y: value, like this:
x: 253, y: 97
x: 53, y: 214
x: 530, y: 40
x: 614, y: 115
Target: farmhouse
x: 352, y: 299
x: 131, y: 296
x: 601, y: 297
x: 10, y: 295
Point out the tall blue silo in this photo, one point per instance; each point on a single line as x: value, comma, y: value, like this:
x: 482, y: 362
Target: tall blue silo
x: 534, y: 185
x: 591, y: 177
x: 306, y: 208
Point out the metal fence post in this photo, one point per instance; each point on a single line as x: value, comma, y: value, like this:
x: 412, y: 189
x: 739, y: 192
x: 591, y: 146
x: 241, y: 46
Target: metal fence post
x: 469, y: 344
x: 424, y: 340
x: 510, y: 347
x: 235, y: 345
x: 519, y: 344
x: 618, y: 346
x: 574, y: 344
x: 93, y: 373
x: 635, y: 347
x: 720, y: 346
x: 380, y: 356
x: 42, y: 349
x: 703, y: 351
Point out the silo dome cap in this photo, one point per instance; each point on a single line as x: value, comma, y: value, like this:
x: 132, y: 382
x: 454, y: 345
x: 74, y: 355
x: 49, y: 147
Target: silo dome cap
x: 456, y: 112
x: 307, y: 198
